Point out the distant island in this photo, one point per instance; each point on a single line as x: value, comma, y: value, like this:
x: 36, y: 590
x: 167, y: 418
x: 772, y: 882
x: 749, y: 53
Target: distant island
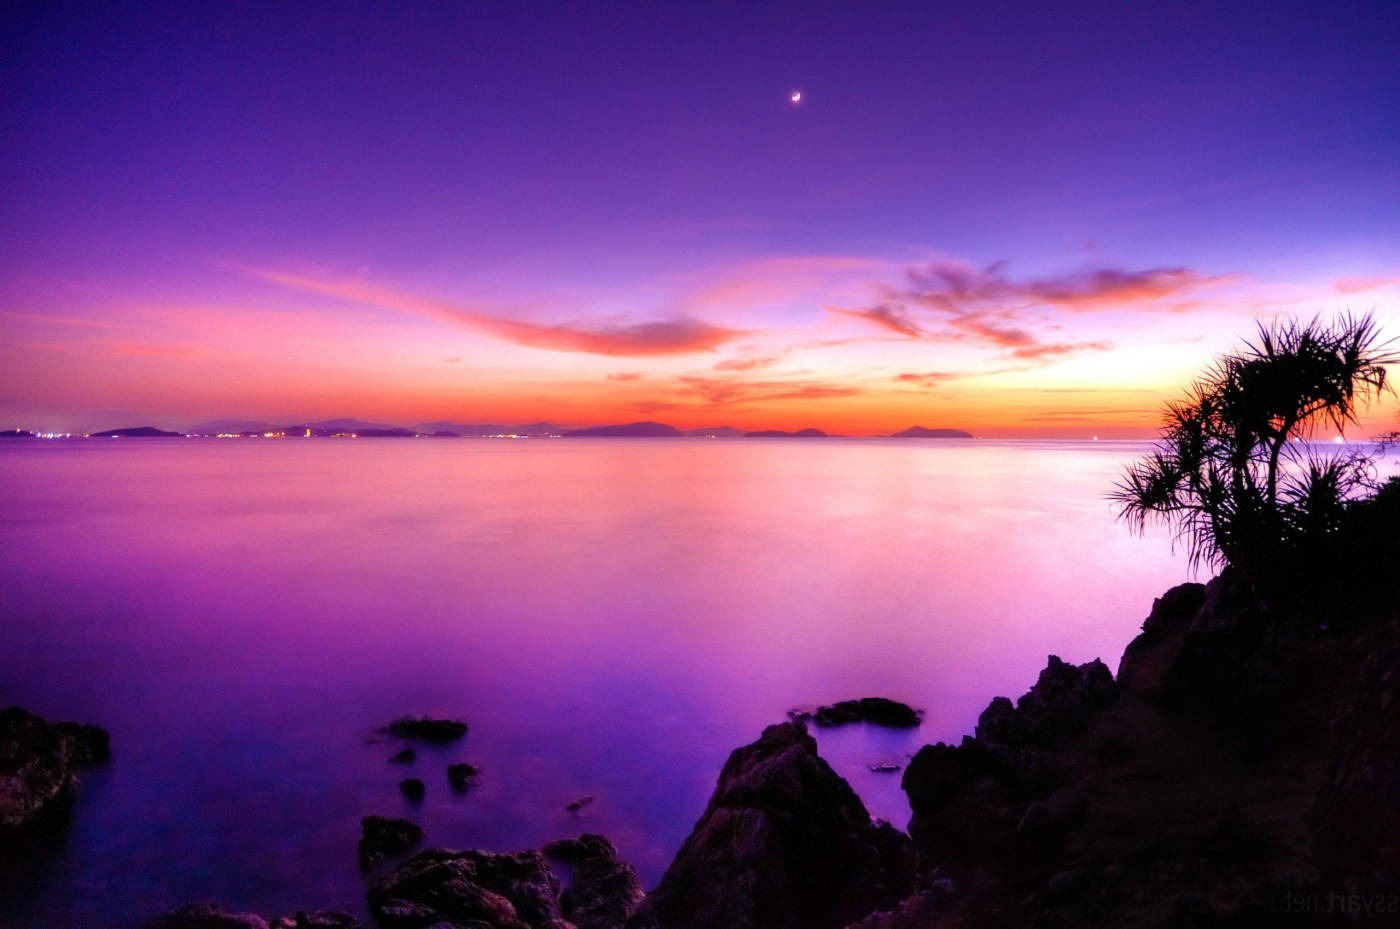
x: 646, y: 430
x: 922, y: 432
x: 137, y: 432
x: 780, y: 434
x: 345, y: 427
x: 715, y: 432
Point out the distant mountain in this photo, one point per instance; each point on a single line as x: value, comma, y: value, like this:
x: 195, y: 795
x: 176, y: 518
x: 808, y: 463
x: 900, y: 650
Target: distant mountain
x: 443, y: 426
x: 393, y: 432
x: 920, y: 432
x: 780, y: 434
x: 540, y: 429
x: 230, y: 427
x: 630, y: 430
x: 717, y: 432
x: 482, y: 429
x: 16, y: 434
x: 137, y: 432
x: 347, y: 425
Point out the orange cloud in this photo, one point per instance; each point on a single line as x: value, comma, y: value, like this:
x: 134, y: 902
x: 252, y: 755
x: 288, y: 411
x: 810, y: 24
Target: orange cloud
x: 1054, y: 349
x: 658, y: 337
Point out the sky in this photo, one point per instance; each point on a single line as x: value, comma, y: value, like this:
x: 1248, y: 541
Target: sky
x: 1018, y: 219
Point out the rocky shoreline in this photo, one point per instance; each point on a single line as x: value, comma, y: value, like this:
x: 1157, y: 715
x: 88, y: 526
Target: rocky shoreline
x: 1236, y: 771
x: 39, y: 764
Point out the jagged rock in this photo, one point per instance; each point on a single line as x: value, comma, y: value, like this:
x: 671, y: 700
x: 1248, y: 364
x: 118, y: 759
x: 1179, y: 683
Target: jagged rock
x: 877, y: 710
x: 604, y: 892
x: 382, y: 836
x: 1356, y: 816
x: 461, y: 776
x: 39, y: 762
x: 426, y: 728
x: 783, y: 844
x: 206, y: 916
x: 476, y: 889
x: 921, y: 910
x: 1142, y: 669
x: 1224, y: 634
x: 969, y: 799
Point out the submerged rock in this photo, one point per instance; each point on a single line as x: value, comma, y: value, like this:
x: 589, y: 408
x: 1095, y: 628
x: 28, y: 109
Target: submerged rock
x: 206, y: 916
x: 477, y: 889
x: 412, y: 788
x: 604, y: 891
x: 426, y: 728
x: 39, y: 762
x: 461, y: 776
x: 877, y: 710
x: 573, y: 806
x: 783, y: 844
x: 382, y: 836
x: 403, y: 757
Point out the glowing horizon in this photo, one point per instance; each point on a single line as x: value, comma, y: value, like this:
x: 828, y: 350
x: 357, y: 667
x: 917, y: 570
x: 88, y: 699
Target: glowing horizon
x: 543, y: 229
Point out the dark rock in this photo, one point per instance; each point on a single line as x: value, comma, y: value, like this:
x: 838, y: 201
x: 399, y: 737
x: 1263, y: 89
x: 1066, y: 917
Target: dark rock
x: 472, y: 889
x: 1356, y: 816
x: 319, y: 919
x: 604, y: 892
x: 1223, y: 636
x: 412, y: 788
x: 39, y: 762
x: 573, y: 806
x: 461, y: 776
x: 206, y: 916
x: 212, y: 916
x: 403, y: 757
x: 426, y: 728
x: 970, y: 799
x: 921, y: 910
x: 1065, y: 884
x: 383, y: 836
x: 877, y: 710
x: 783, y: 844
x: 1144, y: 663
x: 91, y: 745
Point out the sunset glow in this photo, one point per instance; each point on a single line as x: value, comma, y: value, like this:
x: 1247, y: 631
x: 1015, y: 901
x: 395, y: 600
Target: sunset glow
x: 984, y: 226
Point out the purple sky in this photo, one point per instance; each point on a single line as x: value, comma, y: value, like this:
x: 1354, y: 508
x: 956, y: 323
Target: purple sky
x: 600, y: 212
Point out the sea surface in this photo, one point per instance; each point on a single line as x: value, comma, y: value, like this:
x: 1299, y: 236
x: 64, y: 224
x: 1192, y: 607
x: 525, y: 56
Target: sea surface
x: 612, y: 617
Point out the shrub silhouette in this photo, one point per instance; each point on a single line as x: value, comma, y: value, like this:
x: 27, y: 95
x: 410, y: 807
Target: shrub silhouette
x: 1231, y: 472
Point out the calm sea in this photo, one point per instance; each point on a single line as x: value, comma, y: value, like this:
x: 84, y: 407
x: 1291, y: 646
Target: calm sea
x: 612, y: 617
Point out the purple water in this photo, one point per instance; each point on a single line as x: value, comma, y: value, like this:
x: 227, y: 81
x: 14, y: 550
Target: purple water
x: 612, y: 617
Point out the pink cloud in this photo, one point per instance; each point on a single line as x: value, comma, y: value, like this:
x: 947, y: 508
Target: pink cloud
x: 1356, y: 285
x: 1055, y: 349
x: 895, y: 320
x: 674, y: 336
